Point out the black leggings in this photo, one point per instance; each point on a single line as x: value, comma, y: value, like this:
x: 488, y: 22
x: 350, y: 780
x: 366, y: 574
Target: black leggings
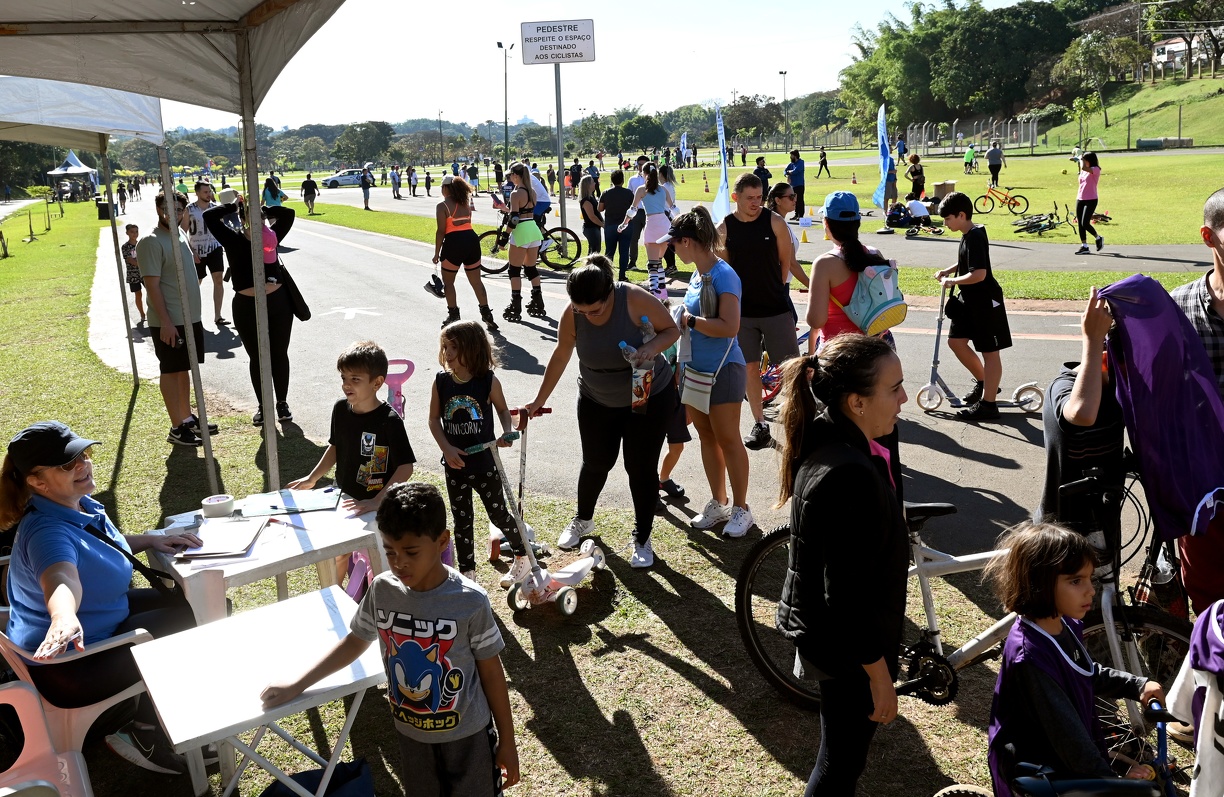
x: 488, y: 485
x: 845, y: 736
x: 604, y: 430
x: 994, y: 173
x: 85, y: 681
x: 280, y: 328
x: 1084, y: 208
x: 594, y: 235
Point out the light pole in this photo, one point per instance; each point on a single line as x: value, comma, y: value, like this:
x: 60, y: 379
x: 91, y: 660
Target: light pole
x: 785, y: 112
x: 506, y: 107
x: 441, y: 156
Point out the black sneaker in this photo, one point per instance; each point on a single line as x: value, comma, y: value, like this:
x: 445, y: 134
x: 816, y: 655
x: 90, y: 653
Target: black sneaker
x: 282, y: 412
x: 257, y: 418
x: 671, y: 271
x: 183, y: 435
x: 1100, y: 243
x: 672, y: 489
x: 759, y: 437
x: 146, y: 749
x: 982, y: 411
x: 193, y: 423
x: 976, y: 395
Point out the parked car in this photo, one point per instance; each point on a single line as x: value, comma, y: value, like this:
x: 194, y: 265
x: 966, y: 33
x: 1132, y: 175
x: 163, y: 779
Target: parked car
x: 342, y: 177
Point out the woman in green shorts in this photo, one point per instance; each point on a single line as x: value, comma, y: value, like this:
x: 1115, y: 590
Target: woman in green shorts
x: 524, y: 246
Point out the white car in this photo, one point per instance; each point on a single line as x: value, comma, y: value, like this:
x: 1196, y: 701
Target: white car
x: 342, y: 177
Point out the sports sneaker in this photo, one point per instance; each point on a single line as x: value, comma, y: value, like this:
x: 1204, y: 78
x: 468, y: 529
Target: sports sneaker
x: 1100, y: 243
x: 982, y: 411
x: 671, y: 270
x: 740, y: 522
x: 759, y: 437
x: 974, y: 395
x: 283, y: 413
x: 193, y: 423
x: 183, y: 435
x: 642, y: 556
x: 519, y: 570
x: 571, y: 536
x: 713, y: 514
x: 257, y: 418
x: 146, y: 749
x: 546, y: 245
x: 1083, y: 250
x: 1181, y: 731
x: 672, y: 489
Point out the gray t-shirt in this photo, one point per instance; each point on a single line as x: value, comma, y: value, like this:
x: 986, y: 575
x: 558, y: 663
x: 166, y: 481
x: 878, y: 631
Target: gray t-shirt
x: 430, y: 643
x: 994, y: 156
x: 156, y: 259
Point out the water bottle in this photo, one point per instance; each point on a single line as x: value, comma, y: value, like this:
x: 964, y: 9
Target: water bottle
x: 642, y: 378
x: 1164, y: 569
x: 648, y: 330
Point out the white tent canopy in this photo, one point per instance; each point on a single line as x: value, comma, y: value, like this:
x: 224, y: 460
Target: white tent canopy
x: 71, y: 115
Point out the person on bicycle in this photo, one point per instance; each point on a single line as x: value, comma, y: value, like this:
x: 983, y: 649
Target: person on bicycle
x: 1044, y: 707
x: 524, y: 244
x: 843, y: 502
x: 970, y: 158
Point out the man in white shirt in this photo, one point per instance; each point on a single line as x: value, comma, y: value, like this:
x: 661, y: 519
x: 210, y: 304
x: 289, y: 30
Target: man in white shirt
x: 205, y: 249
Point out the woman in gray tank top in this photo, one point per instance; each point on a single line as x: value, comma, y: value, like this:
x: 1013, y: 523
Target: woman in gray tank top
x: 601, y: 314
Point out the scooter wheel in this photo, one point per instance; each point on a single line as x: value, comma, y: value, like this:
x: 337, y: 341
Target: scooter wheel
x: 1029, y: 399
x: 567, y: 600
x: 597, y: 555
x: 587, y: 546
x: 516, y: 600
x: 929, y: 398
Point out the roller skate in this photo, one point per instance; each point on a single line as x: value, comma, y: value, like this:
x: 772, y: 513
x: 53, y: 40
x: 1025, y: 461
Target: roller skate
x: 486, y: 315
x: 535, y: 307
x: 452, y: 315
x: 514, y: 310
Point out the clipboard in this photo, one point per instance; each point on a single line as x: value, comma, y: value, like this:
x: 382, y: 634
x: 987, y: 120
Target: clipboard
x: 225, y: 538
x: 286, y: 502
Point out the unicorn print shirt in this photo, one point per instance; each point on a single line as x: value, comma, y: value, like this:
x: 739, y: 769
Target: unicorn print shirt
x: 430, y: 643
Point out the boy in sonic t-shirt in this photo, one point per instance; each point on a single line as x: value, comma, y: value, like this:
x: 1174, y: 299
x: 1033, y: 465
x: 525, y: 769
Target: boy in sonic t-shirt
x: 368, y: 444
x: 440, y: 647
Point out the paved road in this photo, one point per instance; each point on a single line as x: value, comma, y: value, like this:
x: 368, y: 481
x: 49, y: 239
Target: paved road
x: 363, y: 285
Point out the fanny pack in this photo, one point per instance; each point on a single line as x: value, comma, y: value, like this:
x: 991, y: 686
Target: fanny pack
x: 696, y: 386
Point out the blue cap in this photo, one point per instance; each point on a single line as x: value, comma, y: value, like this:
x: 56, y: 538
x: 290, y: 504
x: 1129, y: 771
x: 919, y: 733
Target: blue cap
x: 842, y: 206
x: 45, y: 444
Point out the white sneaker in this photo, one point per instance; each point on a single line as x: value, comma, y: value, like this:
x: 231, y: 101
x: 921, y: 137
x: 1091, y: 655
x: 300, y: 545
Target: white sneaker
x: 519, y: 570
x: 546, y: 245
x: 713, y: 514
x: 571, y: 537
x: 642, y: 556
x: 741, y: 521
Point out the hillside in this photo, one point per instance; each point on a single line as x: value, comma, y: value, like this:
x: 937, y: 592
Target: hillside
x: 1153, y: 109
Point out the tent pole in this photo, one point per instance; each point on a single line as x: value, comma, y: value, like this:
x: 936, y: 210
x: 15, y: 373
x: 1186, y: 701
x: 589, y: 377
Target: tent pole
x: 263, y: 344
x: 193, y: 356
x: 127, y: 313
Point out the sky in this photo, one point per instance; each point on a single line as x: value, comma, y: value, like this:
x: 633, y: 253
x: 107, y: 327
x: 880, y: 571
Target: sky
x: 393, y: 60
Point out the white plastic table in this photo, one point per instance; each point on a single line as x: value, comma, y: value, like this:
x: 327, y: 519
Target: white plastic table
x: 313, y: 538
x: 205, y: 693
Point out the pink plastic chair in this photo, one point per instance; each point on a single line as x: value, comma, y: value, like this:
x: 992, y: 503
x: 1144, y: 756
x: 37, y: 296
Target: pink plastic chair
x: 395, y: 383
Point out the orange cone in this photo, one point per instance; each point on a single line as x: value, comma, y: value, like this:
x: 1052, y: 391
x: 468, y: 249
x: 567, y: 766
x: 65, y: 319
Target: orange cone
x: 853, y: 178
x: 682, y: 177
x: 707, y: 186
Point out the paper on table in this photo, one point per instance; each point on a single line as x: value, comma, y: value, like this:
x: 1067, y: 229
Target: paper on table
x: 225, y: 537
x: 286, y: 501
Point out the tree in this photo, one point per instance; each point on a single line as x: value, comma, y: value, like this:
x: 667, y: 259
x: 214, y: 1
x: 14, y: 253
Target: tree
x: 754, y: 112
x: 536, y: 138
x: 26, y: 164
x: 139, y: 155
x: 1085, y: 107
x: 187, y: 154
x: 642, y: 132
x: 362, y: 142
x: 312, y: 151
x: 1092, y: 58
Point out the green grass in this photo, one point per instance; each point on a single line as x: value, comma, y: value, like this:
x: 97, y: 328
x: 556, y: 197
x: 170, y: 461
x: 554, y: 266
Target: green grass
x: 1153, y: 108
x: 401, y: 225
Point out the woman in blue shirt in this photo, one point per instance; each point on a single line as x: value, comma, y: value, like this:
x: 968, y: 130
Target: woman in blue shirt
x: 69, y: 585
x: 273, y: 197
x: 711, y: 314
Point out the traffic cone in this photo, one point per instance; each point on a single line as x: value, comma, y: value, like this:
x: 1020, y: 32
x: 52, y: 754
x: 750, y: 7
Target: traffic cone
x: 853, y: 178
x: 682, y: 177
x: 557, y: 213
x: 811, y: 211
x: 707, y: 186
x: 803, y: 238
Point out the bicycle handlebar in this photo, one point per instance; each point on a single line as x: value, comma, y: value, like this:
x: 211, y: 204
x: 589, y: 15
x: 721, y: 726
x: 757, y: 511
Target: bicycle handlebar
x: 1090, y: 484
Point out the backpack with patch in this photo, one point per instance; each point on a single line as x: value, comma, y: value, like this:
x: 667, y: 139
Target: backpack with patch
x: 876, y: 304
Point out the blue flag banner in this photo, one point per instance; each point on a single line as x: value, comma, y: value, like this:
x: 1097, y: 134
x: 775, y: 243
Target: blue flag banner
x: 722, y: 200
x: 683, y: 145
x: 877, y: 198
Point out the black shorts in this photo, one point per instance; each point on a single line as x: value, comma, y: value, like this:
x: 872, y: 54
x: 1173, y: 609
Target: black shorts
x: 677, y: 424
x: 136, y: 287
x: 173, y: 359
x: 461, y: 249
x: 985, y: 325
x: 214, y: 262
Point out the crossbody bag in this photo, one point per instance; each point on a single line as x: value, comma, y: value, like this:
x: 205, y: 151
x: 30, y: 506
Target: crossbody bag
x: 156, y: 578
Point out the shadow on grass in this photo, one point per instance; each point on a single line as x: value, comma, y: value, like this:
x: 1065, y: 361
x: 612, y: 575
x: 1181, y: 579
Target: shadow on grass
x: 107, y: 497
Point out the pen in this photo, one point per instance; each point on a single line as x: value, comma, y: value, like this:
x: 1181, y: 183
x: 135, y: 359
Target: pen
x: 287, y: 523
x: 329, y: 489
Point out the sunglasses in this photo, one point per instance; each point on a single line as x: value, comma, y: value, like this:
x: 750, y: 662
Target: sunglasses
x: 69, y: 467
x: 603, y: 303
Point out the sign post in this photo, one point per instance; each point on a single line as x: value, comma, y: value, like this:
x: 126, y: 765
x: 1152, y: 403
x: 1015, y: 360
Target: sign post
x: 570, y: 41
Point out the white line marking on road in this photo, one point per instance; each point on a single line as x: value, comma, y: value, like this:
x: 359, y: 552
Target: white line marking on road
x: 351, y: 312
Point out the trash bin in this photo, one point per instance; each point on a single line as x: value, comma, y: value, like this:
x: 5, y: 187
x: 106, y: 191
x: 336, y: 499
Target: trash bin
x: 944, y: 188
x: 106, y: 210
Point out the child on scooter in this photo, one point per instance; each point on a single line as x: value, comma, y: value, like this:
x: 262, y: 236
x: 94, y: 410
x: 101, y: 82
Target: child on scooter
x: 465, y: 393
x: 981, y: 318
x: 1044, y: 705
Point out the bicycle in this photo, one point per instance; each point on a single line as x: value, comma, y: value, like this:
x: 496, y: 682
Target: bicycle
x: 562, y: 253
x: 915, y: 231
x: 1016, y: 203
x: 1138, y: 638
x: 771, y: 372
x: 1041, y: 223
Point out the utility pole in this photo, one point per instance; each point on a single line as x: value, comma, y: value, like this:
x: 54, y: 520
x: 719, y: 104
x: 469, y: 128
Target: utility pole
x: 506, y: 99
x: 441, y: 156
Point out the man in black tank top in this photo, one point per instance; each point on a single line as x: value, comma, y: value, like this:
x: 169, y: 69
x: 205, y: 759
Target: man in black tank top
x: 757, y: 247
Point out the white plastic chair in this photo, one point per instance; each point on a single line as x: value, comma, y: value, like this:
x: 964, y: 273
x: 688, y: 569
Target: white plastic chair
x: 68, y: 726
x: 40, y: 771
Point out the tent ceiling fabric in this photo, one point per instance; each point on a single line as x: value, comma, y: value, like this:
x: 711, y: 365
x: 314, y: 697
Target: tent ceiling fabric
x: 71, y: 115
x: 97, y: 43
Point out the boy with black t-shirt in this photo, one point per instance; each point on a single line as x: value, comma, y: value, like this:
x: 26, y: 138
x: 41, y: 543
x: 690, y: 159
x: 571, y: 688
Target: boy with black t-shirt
x: 368, y: 443
x: 979, y: 315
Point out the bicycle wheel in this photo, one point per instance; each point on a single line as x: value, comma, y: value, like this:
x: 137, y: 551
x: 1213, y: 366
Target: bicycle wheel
x: 757, y: 592
x: 983, y: 204
x: 1163, y: 642
x: 565, y: 249
x: 494, y: 257
x: 771, y: 384
x: 1018, y: 204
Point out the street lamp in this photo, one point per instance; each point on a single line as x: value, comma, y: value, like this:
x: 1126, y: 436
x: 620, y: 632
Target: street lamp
x: 441, y: 156
x: 506, y: 107
x: 785, y: 112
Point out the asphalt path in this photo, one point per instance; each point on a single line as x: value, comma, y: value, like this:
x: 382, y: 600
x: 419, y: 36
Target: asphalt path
x: 364, y: 285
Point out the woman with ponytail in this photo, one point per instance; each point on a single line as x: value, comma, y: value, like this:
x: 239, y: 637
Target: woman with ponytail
x: 843, y: 503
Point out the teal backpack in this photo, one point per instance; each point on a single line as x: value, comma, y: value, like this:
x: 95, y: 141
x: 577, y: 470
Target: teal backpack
x: 876, y: 304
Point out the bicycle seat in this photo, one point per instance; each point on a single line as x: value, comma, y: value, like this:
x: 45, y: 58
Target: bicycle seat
x: 921, y: 513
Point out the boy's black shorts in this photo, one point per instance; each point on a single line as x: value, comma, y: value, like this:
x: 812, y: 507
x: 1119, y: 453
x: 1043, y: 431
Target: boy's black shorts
x: 985, y: 325
x: 677, y: 424
x: 465, y: 766
x: 173, y: 359
x: 213, y: 263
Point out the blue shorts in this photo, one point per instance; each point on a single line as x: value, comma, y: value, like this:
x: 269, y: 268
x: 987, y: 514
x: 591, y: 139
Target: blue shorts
x: 541, y: 209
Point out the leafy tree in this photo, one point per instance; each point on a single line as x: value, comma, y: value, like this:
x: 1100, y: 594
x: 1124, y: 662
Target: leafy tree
x: 1092, y: 58
x: 1076, y: 10
x: 1085, y: 107
x: 25, y: 164
x: 536, y: 138
x: 362, y: 142
x: 642, y: 132
x: 139, y: 155
x: 328, y: 133
x: 1192, y: 19
x: 187, y: 154
x: 753, y: 112
x: 312, y: 151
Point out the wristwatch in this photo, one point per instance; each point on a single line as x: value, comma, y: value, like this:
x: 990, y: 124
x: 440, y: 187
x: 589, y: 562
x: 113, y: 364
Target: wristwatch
x: 692, y: 322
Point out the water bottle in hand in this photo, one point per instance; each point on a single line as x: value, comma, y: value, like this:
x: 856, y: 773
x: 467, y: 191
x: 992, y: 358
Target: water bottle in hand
x: 648, y: 330
x: 642, y: 378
